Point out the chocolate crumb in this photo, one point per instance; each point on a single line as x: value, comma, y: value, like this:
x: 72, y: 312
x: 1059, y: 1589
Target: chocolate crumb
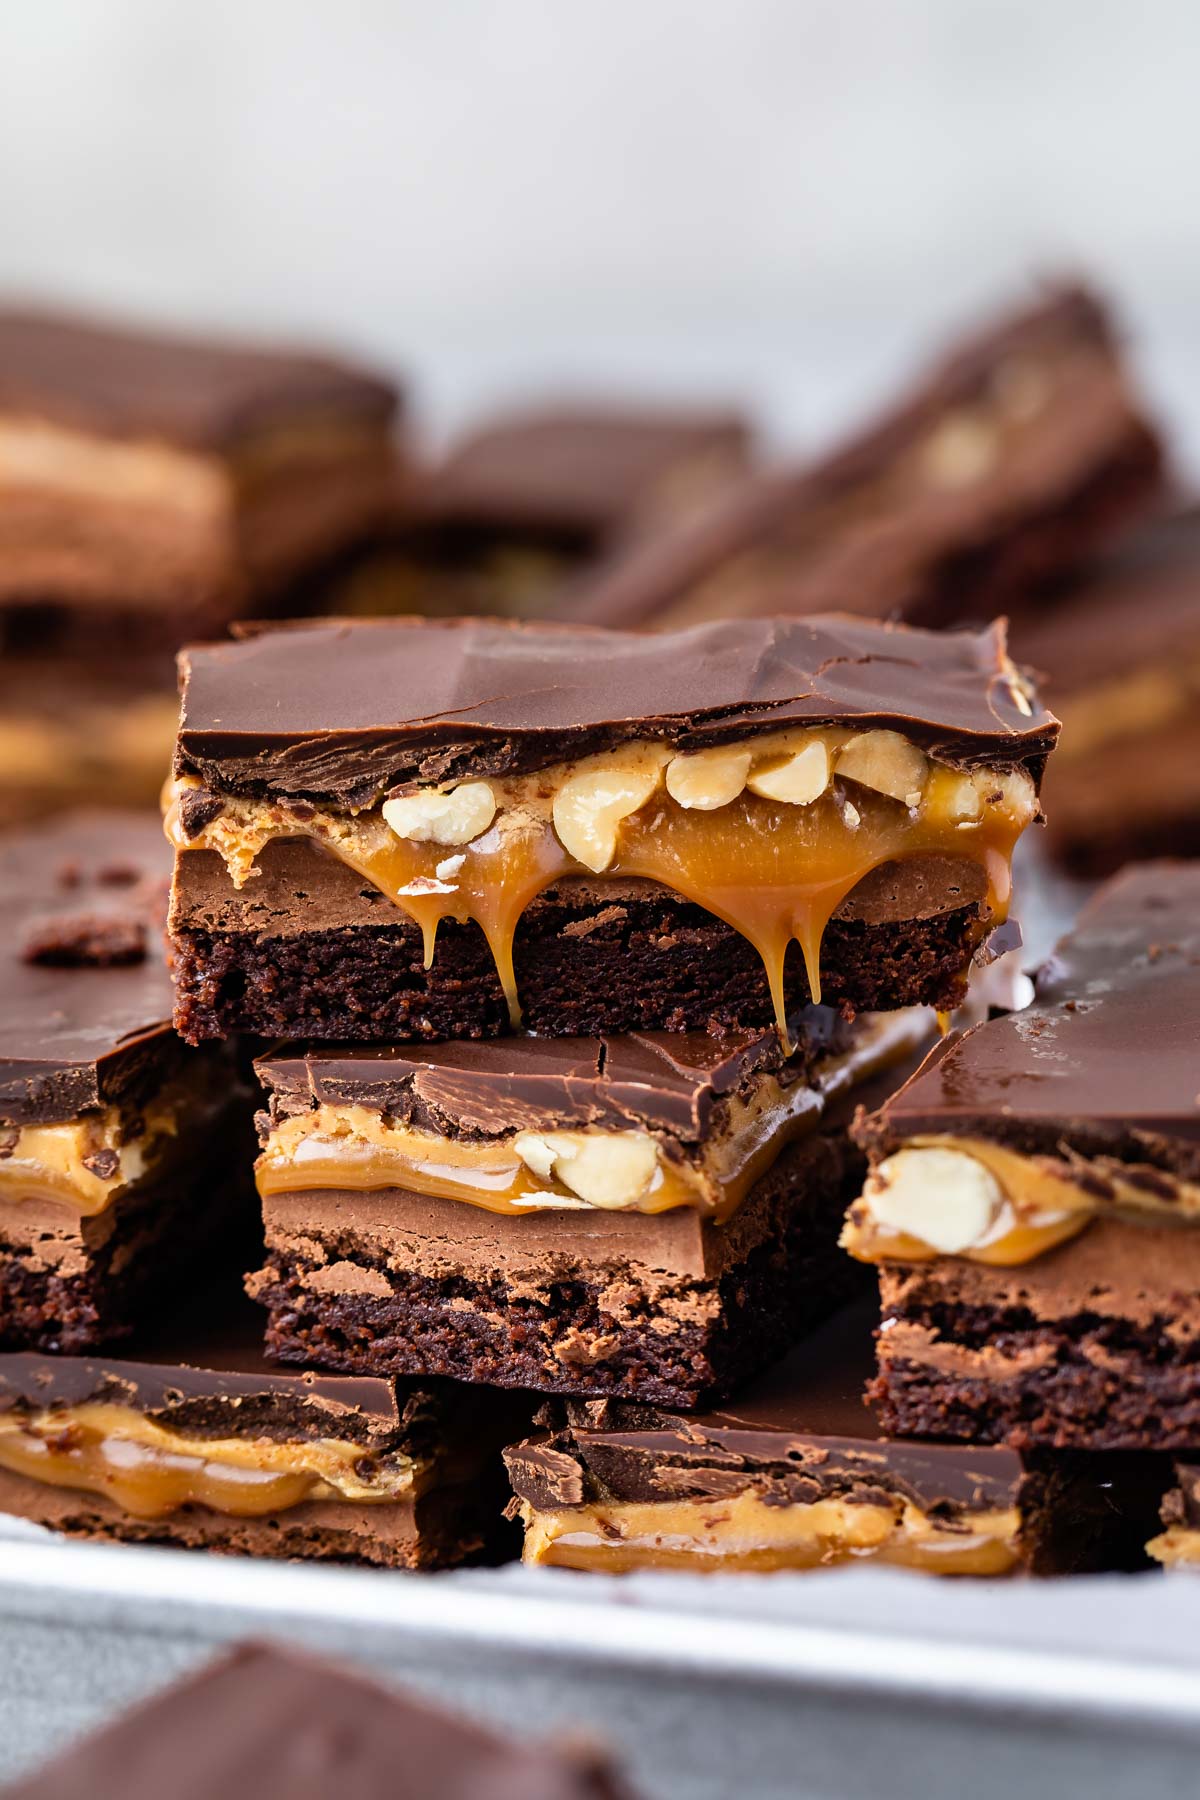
x: 102, y: 1163
x: 118, y: 874
x: 70, y: 875
x: 85, y: 940
x: 198, y: 808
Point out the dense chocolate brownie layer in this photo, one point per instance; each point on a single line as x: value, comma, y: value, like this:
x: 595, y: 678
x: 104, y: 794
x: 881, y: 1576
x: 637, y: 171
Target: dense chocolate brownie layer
x: 1095, y: 1344
x: 578, y: 1319
x: 651, y: 963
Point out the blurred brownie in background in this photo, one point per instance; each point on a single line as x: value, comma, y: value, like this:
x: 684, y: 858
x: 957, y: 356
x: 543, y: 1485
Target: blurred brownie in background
x: 1007, y: 463
x: 528, y: 498
x: 151, y: 486
x: 266, y: 1721
x: 1119, y: 656
x: 178, y: 480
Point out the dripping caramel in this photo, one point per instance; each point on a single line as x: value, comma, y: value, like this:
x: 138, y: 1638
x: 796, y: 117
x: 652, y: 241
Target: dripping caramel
x: 774, y: 870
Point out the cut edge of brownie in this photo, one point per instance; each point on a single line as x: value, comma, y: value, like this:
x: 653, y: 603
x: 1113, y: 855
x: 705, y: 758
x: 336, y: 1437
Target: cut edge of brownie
x: 656, y: 963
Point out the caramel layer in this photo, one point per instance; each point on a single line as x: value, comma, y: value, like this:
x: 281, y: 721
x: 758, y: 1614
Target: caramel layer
x: 628, y: 1171
x: 997, y: 1206
x: 744, y: 1533
x: 151, y: 1472
x: 1178, y: 1547
x: 88, y: 1162
x: 774, y: 868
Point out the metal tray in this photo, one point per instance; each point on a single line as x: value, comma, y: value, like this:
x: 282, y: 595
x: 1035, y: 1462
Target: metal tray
x: 837, y: 1685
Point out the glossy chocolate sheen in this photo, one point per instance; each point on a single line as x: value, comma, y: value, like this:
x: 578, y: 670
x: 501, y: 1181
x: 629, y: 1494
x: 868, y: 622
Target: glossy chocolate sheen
x: 806, y: 1415
x: 118, y: 381
x: 334, y: 708
x: 580, y: 471
x: 775, y: 506
x: 1107, y: 1058
x: 215, y: 1352
x: 268, y: 1722
x: 74, y: 1037
x: 667, y: 1081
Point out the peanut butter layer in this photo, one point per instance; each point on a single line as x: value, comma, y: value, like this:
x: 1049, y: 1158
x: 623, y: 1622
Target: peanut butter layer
x: 661, y: 1124
x: 744, y: 1533
x: 151, y: 1471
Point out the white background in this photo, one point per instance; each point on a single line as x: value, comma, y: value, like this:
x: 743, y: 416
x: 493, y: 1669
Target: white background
x: 779, y: 202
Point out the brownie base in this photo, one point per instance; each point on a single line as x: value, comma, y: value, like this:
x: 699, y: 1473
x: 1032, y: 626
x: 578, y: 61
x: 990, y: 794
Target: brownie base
x: 651, y: 964
x: 677, y: 1339
x: 1082, y: 1381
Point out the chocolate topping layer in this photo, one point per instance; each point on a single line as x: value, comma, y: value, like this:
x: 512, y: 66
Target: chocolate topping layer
x: 277, y: 1725
x: 805, y: 1420
x: 341, y: 711
x: 1106, y: 1060
x: 78, y: 1036
x: 205, y: 395
x: 669, y: 1082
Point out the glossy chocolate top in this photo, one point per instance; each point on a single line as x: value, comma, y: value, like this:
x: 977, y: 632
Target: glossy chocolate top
x: 1107, y: 1059
x: 76, y: 1032
x: 335, y: 708
x: 805, y: 1421
x: 118, y: 381
x: 579, y: 471
x: 670, y: 1082
x: 269, y: 1723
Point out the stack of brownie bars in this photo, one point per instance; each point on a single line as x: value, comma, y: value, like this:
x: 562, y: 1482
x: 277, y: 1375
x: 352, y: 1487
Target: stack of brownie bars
x: 560, y: 1111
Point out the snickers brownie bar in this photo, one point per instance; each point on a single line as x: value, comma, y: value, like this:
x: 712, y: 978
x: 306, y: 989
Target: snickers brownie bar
x: 1008, y: 463
x: 1120, y: 658
x: 117, y: 1144
x: 1034, y: 1199
x: 404, y: 828
x: 796, y: 1475
x: 172, y: 480
x: 265, y: 1723
x: 190, y: 1437
x: 652, y: 1216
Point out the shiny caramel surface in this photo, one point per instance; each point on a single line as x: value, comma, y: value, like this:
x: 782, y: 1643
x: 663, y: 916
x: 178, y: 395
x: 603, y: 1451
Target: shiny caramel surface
x: 1046, y: 1201
x: 151, y: 1471
x: 744, y: 1534
x: 775, y: 871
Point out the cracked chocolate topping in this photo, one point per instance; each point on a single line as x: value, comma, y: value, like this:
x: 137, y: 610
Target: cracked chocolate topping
x: 665, y: 1081
x: 803, y: 1426
x: 92, y: 376
x: 77, y: 1031
x: 1105, y: 1062
x: 340, y: 711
